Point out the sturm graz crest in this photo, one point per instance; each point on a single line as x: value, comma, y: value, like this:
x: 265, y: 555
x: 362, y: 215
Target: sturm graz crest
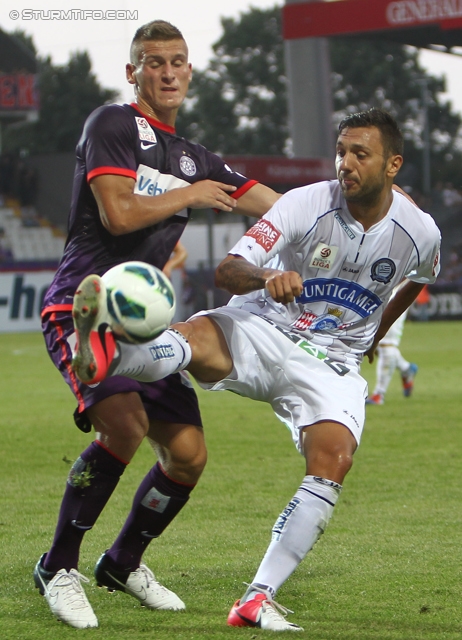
x: 325, y: 322
x: 383, y: 270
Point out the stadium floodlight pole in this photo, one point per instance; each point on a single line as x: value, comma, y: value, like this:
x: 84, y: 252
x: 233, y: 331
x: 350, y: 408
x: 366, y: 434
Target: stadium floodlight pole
x: 426, y: 147
x: 310, y: 95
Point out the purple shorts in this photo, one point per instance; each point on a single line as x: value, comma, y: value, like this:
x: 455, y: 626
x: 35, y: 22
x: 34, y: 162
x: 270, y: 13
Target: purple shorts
x: 170, y: 400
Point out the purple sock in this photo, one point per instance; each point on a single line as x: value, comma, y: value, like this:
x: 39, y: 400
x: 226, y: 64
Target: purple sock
x: 91, y: 481
x: 158, y: 500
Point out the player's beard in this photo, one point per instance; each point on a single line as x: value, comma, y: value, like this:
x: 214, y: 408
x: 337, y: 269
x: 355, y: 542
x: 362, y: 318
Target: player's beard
x: 369, y: 194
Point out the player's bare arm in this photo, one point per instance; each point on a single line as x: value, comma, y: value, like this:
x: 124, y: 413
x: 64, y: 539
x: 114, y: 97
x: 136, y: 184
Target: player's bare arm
x: 238, y: 276
x: 122, y: 211
x: 176, y: 260
x: 397, y: 305
x: 257, y: 201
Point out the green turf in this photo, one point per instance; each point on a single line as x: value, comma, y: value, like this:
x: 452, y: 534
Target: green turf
x: 388, y: 567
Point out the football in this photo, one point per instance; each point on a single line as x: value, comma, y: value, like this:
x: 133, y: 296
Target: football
x: 140, y: 300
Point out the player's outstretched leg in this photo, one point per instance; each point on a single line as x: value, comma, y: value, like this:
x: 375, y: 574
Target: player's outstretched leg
x: 141, y: 584
x: 387, y: 361
x: 96, y: 346
x: 97, y: 354
x: 407, y: 378
x: 65, y: 595
x: 262, y: 612
x: 375, y: 398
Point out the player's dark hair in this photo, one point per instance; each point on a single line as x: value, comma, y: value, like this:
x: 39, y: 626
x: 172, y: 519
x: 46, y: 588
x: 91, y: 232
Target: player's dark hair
x: 392, y: 138
x: 155, y: 30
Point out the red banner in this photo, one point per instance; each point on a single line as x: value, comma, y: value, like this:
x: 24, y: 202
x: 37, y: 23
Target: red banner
x: 280, y: 170
x: 18, y: 92
x: 320, y: 19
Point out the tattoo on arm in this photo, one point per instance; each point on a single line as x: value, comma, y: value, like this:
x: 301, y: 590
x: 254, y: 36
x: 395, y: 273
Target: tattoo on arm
x: 239, y: 277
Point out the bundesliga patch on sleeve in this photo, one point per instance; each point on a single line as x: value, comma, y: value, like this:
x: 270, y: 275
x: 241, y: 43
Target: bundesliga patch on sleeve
x: 145, y: 133
x: 264, y: 234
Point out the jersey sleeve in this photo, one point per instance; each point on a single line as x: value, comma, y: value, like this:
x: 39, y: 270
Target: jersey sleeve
x: 108, y: 143
x: 221, y: 172
x: 284, y: 223
x: 428, y: 267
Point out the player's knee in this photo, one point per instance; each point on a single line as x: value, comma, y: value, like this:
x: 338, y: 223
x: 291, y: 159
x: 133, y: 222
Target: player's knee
x: 120, y: 419
x: 341, y: 459
x: 388, y: 353
x: 185, y: 328
x: 333, y: 463
x: 329, y: 449
x: 211, y: 359
x: 185, y: 466
x: 193, y: 332
x: 184, y: 473
x: 128, y: 432
x: 343, y: 462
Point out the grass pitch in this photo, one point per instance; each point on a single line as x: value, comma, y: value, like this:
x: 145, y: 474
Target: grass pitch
x: 388, y: 567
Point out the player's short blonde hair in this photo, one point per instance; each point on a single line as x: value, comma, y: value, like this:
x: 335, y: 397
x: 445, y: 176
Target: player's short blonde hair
x: 155, y: 30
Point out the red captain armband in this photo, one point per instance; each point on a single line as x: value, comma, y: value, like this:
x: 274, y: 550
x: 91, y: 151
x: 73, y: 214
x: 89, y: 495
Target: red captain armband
x: 264, y: 234
x: 240, y: 192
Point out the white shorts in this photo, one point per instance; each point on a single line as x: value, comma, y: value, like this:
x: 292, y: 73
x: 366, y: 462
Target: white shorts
x: 295, y: 377
x: 395, y: 332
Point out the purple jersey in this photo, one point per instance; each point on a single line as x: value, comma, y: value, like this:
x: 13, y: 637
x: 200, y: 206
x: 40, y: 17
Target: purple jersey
x: 121, y: 140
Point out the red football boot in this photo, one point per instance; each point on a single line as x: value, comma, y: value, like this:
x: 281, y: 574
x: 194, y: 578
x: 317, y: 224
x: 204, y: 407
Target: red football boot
x: 261, y: 612
x: 96, y: 344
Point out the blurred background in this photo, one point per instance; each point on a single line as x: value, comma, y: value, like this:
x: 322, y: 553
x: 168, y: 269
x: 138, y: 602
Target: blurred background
x: 273, y: 83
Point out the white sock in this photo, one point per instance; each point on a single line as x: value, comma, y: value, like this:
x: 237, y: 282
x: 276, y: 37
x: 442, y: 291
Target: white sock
x: 169, y: 353
x: 295, y: 532
x: 386, y: 365
x: 402, y: 364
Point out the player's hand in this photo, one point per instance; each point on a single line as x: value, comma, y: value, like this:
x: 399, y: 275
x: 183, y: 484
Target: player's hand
x: 208, y: 194
x: 371, y: 353
x: 284, y: 286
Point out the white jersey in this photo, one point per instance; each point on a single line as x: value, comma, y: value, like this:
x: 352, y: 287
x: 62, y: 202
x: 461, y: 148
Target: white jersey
x: 348, y: 274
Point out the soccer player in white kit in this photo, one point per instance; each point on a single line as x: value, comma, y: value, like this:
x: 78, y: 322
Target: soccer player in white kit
x: 389, y: 358
x: 311, y: 280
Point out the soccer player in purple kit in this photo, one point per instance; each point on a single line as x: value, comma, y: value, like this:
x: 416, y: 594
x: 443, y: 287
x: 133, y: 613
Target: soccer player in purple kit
x: 126, y: 154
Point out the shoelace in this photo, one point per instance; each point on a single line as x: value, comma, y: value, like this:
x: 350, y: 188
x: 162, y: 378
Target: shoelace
x: 75, y: 595
x: 149, y: 576
x: 277, y: 608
